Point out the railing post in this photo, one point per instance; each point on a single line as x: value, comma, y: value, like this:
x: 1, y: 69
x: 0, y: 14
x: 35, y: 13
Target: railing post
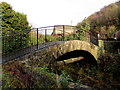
x: 45, y: 35
x: 37, y: 38
x: 53, y: 30
x: 79, y: 35
x: 63, y: 32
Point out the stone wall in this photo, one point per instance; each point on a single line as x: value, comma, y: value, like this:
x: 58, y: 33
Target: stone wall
x: 108, y: 46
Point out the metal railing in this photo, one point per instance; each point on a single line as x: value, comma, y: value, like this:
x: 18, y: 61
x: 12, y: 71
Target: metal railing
x: 20, y: 43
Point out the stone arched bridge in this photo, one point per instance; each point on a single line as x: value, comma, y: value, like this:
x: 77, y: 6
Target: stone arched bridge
x: 61, y: 48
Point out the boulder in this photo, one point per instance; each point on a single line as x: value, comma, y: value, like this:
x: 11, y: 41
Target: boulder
x: 117, y: 35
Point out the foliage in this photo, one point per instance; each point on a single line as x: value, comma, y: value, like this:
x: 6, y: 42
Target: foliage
x: 85, y: 26
x: 108, y: 18
x: 110, y: 64
x: 11, y: 82
x: 44, y: 71
x: 43, y: 39
x: 75, y: 36
x: 111, y: 31
x: 15, y: 28
x: 105, y: 76
x: 65, y: 79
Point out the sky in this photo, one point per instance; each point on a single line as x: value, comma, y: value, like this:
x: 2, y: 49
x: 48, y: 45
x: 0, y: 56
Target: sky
x: 42, y: 13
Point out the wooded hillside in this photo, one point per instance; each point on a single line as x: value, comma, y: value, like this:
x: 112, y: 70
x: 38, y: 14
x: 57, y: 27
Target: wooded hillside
x: 106, y: 21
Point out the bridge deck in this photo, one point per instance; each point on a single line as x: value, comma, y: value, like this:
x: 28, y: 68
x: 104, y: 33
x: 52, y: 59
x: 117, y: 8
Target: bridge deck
x: 28, y: 50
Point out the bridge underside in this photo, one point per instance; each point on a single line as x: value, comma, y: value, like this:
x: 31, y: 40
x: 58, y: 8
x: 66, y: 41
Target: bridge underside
x: 79, y: 55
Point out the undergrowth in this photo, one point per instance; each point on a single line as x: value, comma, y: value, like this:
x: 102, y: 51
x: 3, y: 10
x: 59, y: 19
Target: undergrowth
x: 104, y: 76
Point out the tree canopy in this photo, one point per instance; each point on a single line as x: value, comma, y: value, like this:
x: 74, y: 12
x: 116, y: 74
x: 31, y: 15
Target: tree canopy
x: 11, y: 20
x: 15, y: 28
